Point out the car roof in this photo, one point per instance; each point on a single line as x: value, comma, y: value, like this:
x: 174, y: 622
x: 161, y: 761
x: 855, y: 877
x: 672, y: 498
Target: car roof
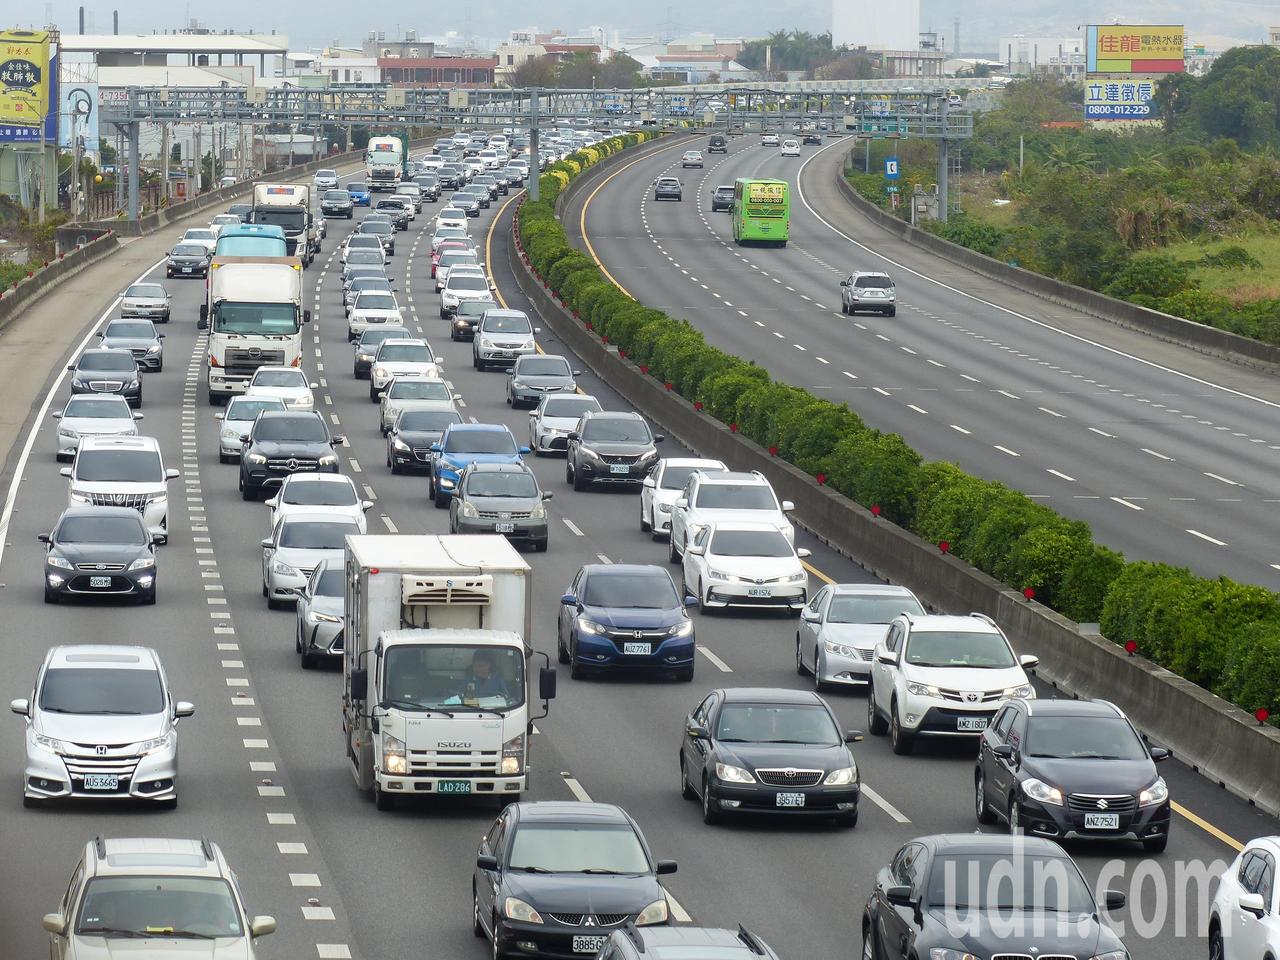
x: 870, y: 273
x: 96, y: 512
x: 624, y: 569
x: 657, y: 938
x: 769, y: 695
x: 403, y: 342
x: 125, y: 856
x: 732, y: 476
x: 112, y: 351
x: 870, y: 590
x: 570, y: 811
x: 951, y: 624
x: 486, y: 427
x: 288, y: 414
x: 746, y: 526
x: 499, y: 468
x: 123, y: 443
x: 612, y: 415
x: 276, y: 368
x: 310, y: 477
x: 106, y: 656
x: 960, y: 844
x: 316, y: 516
x: 1074, y: 708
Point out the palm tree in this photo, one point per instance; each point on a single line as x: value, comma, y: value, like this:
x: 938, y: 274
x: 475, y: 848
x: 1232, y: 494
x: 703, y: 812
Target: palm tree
x: 1064, y: 157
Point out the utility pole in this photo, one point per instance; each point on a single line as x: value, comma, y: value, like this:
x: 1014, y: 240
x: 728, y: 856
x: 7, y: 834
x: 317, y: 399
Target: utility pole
x: 535, y: 169
x: 164, y: 163
x: 944, y: 164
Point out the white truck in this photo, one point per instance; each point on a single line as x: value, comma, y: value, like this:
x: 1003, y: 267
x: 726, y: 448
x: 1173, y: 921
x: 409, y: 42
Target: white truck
x: 437, y: 665
x: 288, y: 205
x: 384, y: 162
x: 253, y: 312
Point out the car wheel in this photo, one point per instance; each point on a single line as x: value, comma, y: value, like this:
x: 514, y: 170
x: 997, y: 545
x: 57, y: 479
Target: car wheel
x: 1217, y: 949
x: 373, y: 392
x: 562, y: 652
x: 1015, y: 818
x: 381, y: 800
x: 1157, y: 844
x: 498, y: 952
x: 869, y: 951
x: 686, y: 789
x: 247, y: 492
x: 579, y: 483
x: 900, y: 741
x: 875, y: 722
x: 170, y: 803
x: 50, y: 596
x: 297, y: 637
x: 980, y: 798
x: 149, y: 598
x: 441, y: 499
x: 800, y: 667
x: 223, y: 458
x: 273, y: 603
x: 891, y: 312
x: 476, y: 926
x: 819, y: 685
x: 307, y: 661
x: 672, y: 554
x: 645, y: 525
x: 709, y: 814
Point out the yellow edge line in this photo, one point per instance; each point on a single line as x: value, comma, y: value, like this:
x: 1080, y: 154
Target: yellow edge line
x: 1177, y: 808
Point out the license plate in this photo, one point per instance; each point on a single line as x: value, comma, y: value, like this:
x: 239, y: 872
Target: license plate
x: 619, y: 468
x: 505, y: 354
x: 453, y: 786
x: 101, y: 781
x: 971, y: 723
x: 758, y: 592
x: 186, y: 269
x: 1102, y: 821
x: 99, y: 582
x: 790, y: 800
x: 588, y: 944
x: 638, y: 649
x: 504, y: 527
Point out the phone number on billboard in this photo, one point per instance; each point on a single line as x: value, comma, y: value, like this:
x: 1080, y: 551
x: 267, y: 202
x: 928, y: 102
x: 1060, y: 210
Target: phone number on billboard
x: 1104, y: 111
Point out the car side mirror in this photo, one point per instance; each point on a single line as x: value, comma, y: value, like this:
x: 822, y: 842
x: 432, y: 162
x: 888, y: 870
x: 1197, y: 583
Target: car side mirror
x: 359, y: 684
x: 158, y: 539
x: 1028, y: 661
x: 649, y: 482
x: 1002, y: 750
x: 314, y: 386
x: 101, y: 334
x: 698, y: 731
x: 547, y: 683
x: 71, y: 366
x: 659, y: 437
x: 183, y: 709
x: 366, y: 504
x: 1159, y: 753
x: 666, y: 866
x: 900, y: 896
x: 810, y: 616
x: 65, y: 472
x: 261, y: 926
x: 486, y: 862
x: 172, y: 473
x: 21, y: 707
x: 57, y: 414
x: 435, y: 448
x: 139, y: 416
x: 266, y: 542
x: 574, y: 435
x: 853, y: 736
x: 569, y: 599
x: 804, y: 552
x: 55, y: 923
x: 535, y: 329
x: 577, y: 373
x: 787, y: 506
x: 1115, y: 900
x: 244, y: 438
x: 547, y: 494
x: 683, y: 503
x: 886, y: 656
x: 338, y: 440
x: 272, y: 503
x: 844, y: 283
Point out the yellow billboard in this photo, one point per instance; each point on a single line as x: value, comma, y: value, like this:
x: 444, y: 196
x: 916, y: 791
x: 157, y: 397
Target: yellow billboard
x: 24, y: 77
x: 1134, y: 48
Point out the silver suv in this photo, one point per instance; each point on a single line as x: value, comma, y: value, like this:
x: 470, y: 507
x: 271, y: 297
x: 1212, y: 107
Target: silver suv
x: 101, y: 723
x: 868, y: 291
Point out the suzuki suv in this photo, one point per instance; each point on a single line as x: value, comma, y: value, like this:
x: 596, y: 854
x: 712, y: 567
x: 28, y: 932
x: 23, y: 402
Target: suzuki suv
x: 123, y: 472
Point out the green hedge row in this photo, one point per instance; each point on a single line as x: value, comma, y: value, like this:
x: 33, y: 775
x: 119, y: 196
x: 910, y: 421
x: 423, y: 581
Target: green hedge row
x: 1217, y: 633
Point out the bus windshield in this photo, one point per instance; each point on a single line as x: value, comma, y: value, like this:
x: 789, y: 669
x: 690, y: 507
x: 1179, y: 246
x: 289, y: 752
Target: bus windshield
x: 278, y: 319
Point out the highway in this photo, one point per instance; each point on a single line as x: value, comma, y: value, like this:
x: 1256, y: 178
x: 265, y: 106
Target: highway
x: 1170, y: 455
x: 263, y: 771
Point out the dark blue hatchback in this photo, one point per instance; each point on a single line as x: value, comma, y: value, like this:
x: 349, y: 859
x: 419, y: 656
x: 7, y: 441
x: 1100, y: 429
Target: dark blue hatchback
x: 625, y: 617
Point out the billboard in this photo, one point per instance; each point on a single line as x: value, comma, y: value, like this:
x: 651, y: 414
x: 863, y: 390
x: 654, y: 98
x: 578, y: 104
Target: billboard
x: 1133, y: 49
x: 28, y: 87
x: 1119, y: 97
x: 79, y: 110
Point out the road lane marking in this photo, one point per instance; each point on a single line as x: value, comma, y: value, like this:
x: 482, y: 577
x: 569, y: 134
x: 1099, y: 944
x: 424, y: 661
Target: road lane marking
x: 720, y: 664
x: 1215, y: 476
x: 1125, y: 503
x: 573, y: 527
x: 957, y: 427
x: 391, y: 527
x: 1161, y: 456
x: 1052, y: 413
x: 1102, y: 433
x: 1012, y: 453
x: 1204, y: 536
x: 575, y: 787
x: 912, y: 406
x: 884, y: 804
x: 1058, y: 473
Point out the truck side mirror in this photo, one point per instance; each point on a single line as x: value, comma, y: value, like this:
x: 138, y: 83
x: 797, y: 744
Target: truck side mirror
x: 360, y: 684
x: 306, y: 316
x: 546, y: 683
x: 203, y: 322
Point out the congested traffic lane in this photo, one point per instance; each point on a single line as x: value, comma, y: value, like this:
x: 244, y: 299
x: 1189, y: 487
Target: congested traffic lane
x: 1165, y: 466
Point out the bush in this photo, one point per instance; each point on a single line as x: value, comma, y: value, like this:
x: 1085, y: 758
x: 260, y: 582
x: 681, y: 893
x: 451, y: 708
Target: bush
x: 974, y: 234
x: 951, y: 504
x: 1085, y: 583
x: 1199, y: 306
x: 1233, y: 257
x: 1251, y: 678
x: 720, y: 393
x: 1041, y: 557
x: 874, y: 468
x: 1151, y: 274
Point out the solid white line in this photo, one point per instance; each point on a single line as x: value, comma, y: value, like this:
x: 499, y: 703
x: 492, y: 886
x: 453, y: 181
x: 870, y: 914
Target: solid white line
x: 1126, y: 503
x: 1205, y: 536
x: 1223, y: 479
x: 572, y: 526
x: 1058, y: 473
x: 720, y: 664
x: 1012, y: 453
x: 575, y: 787
x: 1161, y: 456
x: 884, y: 804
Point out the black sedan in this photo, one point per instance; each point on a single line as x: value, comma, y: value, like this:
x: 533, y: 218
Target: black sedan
x: 722, y: 198
x: 107, y: 371
x: 337, y: 203
x: 283, y: 443
x: 188, y: 260
x: 981, y: 895
x: 776, y: 751
x: 468, y: 203
x: 1071, y: 769
x: 811, y: 136
x: 99, y: 552
x: 553, y: 879
x: 411, y: 436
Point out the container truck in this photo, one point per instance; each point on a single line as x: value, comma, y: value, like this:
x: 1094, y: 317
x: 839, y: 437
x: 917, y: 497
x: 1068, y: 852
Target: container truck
x: 288, y: 205
x: 437, y: 667
x: 253, y: 312
x: 386, y: 162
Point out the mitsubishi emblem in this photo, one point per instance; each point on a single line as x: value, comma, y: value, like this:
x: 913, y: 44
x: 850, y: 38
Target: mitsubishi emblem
x: 1102, y: 804
x: 100, y: 750
x: 589, y: 921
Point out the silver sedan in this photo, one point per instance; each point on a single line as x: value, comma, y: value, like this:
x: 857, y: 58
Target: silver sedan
x: 320, y: 607
x: 149, y: 300
x: 140, y: 338
x: 840, y: 627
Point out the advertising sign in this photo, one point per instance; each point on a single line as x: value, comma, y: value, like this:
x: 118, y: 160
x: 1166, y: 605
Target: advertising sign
x: 1135, y: 49
x: 79, y: 111
x: 1119, y: 97
x: 766, y: 198
x: 28, y: 87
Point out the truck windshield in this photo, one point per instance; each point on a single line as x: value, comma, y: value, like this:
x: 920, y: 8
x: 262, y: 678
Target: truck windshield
x: 279, y: 319
x: 291, y: 218
x: 250, y: 247
x: 454, y: 677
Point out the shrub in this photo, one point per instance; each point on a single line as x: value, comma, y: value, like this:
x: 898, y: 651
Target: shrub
x: 1008, y: 519
x: 1152, y: 274
x: 720, y: 393
x: 565, y: 265
x: 1200, y: 306
x: 1042, y: 556
x: 951, y: 504
x: 1251, y: 677
x: 875, y: 468
x: 1085, y: 583
x: 1234, y: 257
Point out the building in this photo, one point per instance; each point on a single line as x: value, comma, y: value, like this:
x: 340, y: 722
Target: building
x: 874, y: 23
x: 1273, y: 36
x: 411, y: 47
x: 340, y: 70
x: 269, y: 51
x: 438, y: 71
x: 1026, y: 55
x: 514, y: 54
x: 909, y: 63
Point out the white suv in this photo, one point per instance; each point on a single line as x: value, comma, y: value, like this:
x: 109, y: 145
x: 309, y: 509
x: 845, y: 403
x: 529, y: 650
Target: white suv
x: 714, y: 497
x: 662, y: 488
x: 123, y: 472
x: 942, y: 676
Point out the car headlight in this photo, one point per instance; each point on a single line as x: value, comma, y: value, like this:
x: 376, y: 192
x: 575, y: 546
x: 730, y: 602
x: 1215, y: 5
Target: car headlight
x: 517, y: 383
x: 664, y: 508
x: 516, y: 909
x: 157, y: 745
x: 48, y: 743
x: 527, y: 345
x: 154, y: 349
x: 538, y: 513
x: 379, y: 371
x: 365, y: 357
x: 923, y: 690
x: 1158, y: 792
x: 79, y: 497
x: 1112, y: 955
x: 305, y: 400
x: 512, y: 756
x: 1042, y: 792
x: 1026, y: 690
x: 946, y: 953
x: 254, y: 458
x: 681, y: 629
x: 143, y: 563
x: 731, y: 774
x: 720, y: 575
x: 326, y: 617
x: 77, y: 381
x: 62, y: 563
x: 468, y: 510
x: 328, y: 460
x: 399, y: 444
x: 68, y: 433
x: 656, y: 912
x: 839, y: 649
x: 282, y: 568
x: 231, y: 434
x: 842, y: 777
x: 589, y: 626
x: 393, y: 756
x: 798, y: 577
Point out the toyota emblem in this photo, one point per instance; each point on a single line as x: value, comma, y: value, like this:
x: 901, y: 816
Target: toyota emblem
x: 504, y: 516
x: 971, y: 697
x: 789, y: 773
x: 1102, y: 804
x: 100, y: 750
x: 759, y: 580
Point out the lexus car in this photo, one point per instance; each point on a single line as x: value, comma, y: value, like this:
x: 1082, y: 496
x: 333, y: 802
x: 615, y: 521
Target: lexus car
x: 280, y: 444
x: 99, y: 552
x: 89, y: 416
x: 320, y: 605
x: 612, y: 446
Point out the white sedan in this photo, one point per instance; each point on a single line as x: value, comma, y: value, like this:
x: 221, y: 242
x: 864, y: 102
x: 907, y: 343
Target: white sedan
x: 452, y: 218
x: 106, y: 415
x: 557, y: 415
x: 769, y: 140
x: 407, y: 357
x: 283, y: 383
x: 237, y: 420
x: 328, y: 493
x: 1243, y: 919
x: 203, y: 236
x: 790, y: 148
x: 662, y: 488
x: 224, y: 220
x: 296, y: 546
x: 745, y: 564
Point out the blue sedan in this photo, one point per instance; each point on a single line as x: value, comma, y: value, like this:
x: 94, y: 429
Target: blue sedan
x: 359, y: 193
x: 463, y: 444
x: 625, y: 617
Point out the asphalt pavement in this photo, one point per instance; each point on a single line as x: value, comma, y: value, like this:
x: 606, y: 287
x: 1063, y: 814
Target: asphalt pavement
x: 263, y: 769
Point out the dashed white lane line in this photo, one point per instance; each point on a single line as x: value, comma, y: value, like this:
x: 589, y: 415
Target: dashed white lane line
x: 333, y: 951
x: 822, y: 360
x: 1059, y: 473
x: 1157, y: 455
x: 851, y: 376
x: 935, y: 363
x: 1214, y: 476
x: 1006, y: 393
x: 912, y: 406
x: 1204, y: 536
x: 1102, y: 433
x: 719, y: 664
x: 575, y: 787
x: 573, y: 527
x: 355, y: 464
x: 602, y: 558
x: 1125, y: 503
x: 957, y: 427
x: 884, y: 804
x: 1052, y: 413
x: 386, y: 521
x: 1012, y: 453
x: 778, y: 335
x: 965, y: 376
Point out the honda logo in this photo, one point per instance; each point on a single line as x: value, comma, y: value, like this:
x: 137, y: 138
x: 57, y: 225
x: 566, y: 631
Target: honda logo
x: 100, y: 750
x: 1102, y: 804
x: 637, y: 634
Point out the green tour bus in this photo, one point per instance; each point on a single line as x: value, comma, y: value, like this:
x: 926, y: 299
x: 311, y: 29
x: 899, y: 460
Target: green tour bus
x: 761, y: 211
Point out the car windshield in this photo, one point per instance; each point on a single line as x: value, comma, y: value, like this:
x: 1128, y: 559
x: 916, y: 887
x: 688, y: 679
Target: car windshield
x: 300, y: 429
x: 316, y: 534
x: 428, y: 421
x: 577, y: 848
x: 125, y: 692
x: 364, y: 255
x: 278, y: 378
x: 480, y: 441
x: 372, y: 337
x: 102, y: 530
x: 669, y: 182
x: 724, y: 191
x: 1021, y: 881
x: 489, y: 484
x: 149, y: 291
x: 873, y: 282
x: 326, y: 174
x: 453, y: 257
x: 750, y: 543
x: 777, y: 723
x: 331, y: 582
x: 405, y: 353
x: 944, y: 648
x: 199, y: 235
x: 115, y: 362
x: 610, y: 430
x: 569, y: 408
x: 119, y: 466
x: 93, y: 408
x: 375, y: 301
x: 160, y: 907
x: 641, y: 591
x: 1083, y: 738
x: 461, y: 197
x: 248, y: 408
x: 362, y: 241
x: 456, y: 678
x: 846, y: 609
x: 412, y: 388
x: 450, y: 233
x: 543, y: 367
x: 336, y: 195
x: 370, y: 284
x: 132, y: 330
x: 187, y: 250
x: 467, y: 281
x: 735, y: 496
x: 506, y: 323
x: 317, y: 493
x: 475, y: 308
x: 673, y: 477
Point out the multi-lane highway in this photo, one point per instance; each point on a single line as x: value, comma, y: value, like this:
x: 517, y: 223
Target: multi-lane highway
x: 263, y: 770
x: 1170, y: 455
